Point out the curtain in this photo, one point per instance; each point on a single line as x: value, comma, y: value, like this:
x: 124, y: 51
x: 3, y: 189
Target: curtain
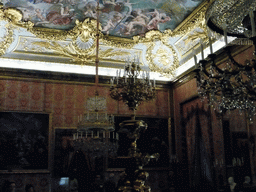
x: 201, y: 174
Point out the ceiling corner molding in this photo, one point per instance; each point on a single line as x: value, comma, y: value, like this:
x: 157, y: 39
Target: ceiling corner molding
x: 195, y: 19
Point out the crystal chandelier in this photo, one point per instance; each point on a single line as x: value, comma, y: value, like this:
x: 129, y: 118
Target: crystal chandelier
x: 228, y: 88
x: 232, y: 16
x: 134, y: 86
x: 233, y: 85
x: 95, y: 130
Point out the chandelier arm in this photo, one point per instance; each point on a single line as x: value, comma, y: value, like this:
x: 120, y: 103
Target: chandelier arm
x: 203, y: 69
x: 234, y: 72
x: 212, y: 59
x: 250, y: 92
x: 130, y: 88
x: 241, y: 67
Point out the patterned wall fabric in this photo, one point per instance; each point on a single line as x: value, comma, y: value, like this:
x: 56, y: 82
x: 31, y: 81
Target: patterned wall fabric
x: 67, y: 101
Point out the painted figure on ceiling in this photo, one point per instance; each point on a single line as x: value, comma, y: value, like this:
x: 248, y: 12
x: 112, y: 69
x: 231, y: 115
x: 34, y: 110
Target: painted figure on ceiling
x: 138, y: 19
x: 133, y: 18
x: 157, y: 18
x: 62, y: 17
x: 39, y: 16
x: 113, y: 22
x: 91, y: 10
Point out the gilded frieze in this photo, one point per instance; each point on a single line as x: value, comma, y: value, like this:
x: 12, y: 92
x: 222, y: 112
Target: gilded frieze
x: 79, y: 56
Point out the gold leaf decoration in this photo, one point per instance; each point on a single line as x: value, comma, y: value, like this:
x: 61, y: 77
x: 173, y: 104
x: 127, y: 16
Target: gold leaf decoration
x: 194, y: 36
x: 193, y: 21
x: 85, y: 57
x: 169, y: 66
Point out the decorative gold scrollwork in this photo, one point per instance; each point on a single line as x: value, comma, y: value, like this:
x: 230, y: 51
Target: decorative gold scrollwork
x: 8, y: 39
x: 8, y: 15
x: 196, y: 20
x: 168, y: 66
x: 12, y: 17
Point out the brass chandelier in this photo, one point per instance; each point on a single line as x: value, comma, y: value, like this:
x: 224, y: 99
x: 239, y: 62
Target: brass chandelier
x: 233, y: 85
x: 134, y: 86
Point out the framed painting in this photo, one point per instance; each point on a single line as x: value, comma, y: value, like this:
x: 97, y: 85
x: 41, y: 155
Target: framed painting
x: 24, y: 140
x: 153, y: 140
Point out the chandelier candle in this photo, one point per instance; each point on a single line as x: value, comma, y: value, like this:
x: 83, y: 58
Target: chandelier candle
x: 251, y: 14
x: 225, y: 36
x: 202, y: 50
x: 210, y: 43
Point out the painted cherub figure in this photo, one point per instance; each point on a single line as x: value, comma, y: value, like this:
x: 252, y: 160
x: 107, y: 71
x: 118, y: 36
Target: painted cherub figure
x: 157, y: 18
x: 115, y: 19
x: 138, y: 19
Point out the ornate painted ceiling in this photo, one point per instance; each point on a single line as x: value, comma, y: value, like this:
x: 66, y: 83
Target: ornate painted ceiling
x: 122, y: 18
x: 164, y: 34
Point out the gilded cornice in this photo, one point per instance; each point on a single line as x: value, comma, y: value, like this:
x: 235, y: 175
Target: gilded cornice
x: 195, y: 20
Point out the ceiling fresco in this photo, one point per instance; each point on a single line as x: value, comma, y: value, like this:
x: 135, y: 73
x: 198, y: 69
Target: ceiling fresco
x: 121, y: 18
x: 164, y: 34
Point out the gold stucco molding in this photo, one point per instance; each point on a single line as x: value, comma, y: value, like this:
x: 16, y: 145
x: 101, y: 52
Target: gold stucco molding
x: 169, y: 59
x: 195, y: 20
x: 12, y: 17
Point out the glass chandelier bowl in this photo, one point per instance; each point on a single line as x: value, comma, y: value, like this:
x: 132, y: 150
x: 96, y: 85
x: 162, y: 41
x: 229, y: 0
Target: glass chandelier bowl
x: 232, y: 15
x: 95, y: 130
x: 133, y: 87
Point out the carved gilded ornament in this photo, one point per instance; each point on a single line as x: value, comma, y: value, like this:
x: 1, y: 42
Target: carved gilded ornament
x: 167, y: 57
x: 196, y: 20
x: 12, y: 17
x: 81, y: 56
x: 193, y: 31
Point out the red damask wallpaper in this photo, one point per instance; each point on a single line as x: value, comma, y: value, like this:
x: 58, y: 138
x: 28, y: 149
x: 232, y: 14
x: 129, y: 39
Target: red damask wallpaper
x: 68, y: 100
